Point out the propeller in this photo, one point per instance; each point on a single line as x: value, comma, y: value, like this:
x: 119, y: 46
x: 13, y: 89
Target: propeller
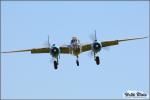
x: 93, y: 37
x: 49, y: 45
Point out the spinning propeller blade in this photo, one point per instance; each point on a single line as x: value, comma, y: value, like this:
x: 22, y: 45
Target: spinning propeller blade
x: 95, y: 36
x: 48, y: 42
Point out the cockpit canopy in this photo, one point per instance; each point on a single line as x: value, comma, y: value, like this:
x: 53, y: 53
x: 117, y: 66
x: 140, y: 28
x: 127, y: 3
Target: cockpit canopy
x: 75, y: 40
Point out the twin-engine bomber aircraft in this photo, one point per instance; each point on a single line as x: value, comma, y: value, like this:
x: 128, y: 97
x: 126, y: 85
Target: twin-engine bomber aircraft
x: 75, y: 48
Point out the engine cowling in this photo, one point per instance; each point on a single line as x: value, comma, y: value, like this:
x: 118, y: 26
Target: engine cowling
x: 54, y: 51
x: 96, y: 47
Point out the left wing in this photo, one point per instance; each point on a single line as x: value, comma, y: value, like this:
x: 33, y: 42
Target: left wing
x: 63, y: 50
x: 34, y: 50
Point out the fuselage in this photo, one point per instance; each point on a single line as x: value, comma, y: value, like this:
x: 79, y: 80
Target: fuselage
x: 75, y: 46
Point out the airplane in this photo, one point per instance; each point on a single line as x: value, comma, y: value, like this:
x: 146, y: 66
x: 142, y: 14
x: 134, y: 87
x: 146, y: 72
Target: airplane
x: 75, y: 48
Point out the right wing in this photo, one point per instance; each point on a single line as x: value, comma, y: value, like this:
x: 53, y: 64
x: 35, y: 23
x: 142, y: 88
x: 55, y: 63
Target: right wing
x: 88, y: 47
x: 116, y: 42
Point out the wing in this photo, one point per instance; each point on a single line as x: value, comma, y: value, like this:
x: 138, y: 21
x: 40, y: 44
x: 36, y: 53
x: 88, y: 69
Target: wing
x: 67, y: 50
x: 34, y: 50
x: 64, y: 49
x: 116, y: 42
x: 86, y: 47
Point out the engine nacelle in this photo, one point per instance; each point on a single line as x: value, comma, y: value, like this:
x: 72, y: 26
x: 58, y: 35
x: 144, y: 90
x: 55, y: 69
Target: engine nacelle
x: 54, y: 51
x: 96, y: 47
